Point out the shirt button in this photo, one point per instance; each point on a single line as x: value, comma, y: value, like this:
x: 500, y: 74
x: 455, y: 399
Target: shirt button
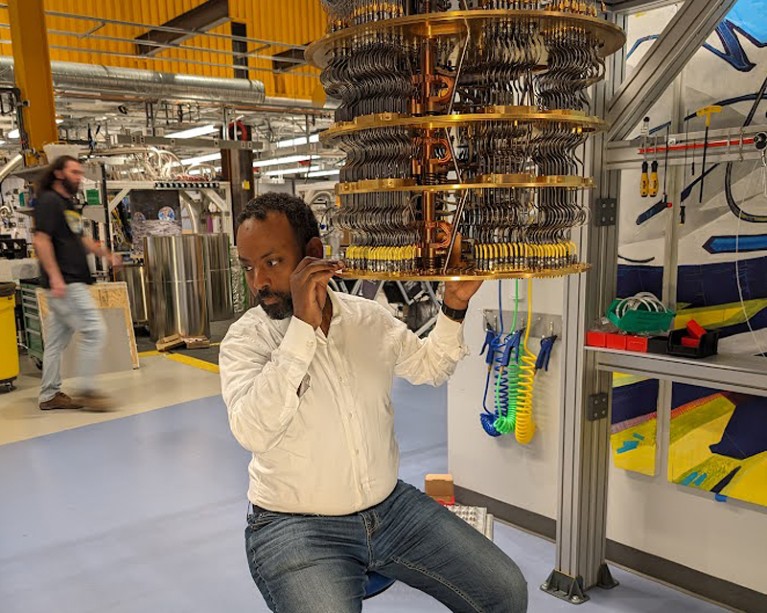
x: 357, y: 451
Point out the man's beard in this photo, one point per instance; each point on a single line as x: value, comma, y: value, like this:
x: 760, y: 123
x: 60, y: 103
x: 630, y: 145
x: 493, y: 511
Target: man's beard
x: 72, y: 188
x: 282, y: 309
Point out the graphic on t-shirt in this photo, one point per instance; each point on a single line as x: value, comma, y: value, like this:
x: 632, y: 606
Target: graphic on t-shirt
x: 74, y: 221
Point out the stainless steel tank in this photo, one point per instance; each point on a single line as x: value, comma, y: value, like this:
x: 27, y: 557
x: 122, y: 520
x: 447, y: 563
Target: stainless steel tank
x: 218, y: 276
x: 133, y: 276
x: 175, y: 269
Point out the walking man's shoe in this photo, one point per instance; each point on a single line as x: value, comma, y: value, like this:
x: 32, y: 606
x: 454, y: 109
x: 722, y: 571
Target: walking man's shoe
x: 60, y: 401
x: 95, y: 401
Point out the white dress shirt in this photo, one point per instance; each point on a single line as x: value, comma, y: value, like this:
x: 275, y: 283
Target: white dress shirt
x: 316, y: 411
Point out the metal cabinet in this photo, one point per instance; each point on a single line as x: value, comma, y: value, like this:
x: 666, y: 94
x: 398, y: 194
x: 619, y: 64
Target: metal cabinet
x: 33, y: 325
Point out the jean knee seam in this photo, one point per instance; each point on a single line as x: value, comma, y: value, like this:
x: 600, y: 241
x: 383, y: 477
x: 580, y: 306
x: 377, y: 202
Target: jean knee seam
x: 272, y: 602
x: 440, y: 579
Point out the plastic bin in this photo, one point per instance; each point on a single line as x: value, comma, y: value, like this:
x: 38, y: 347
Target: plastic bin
x: 9, y: 354
x: 640, y: 321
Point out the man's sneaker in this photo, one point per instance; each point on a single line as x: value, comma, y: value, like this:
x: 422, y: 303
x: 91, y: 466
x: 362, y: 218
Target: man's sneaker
x: 60, y: 401
x: 94, y: 401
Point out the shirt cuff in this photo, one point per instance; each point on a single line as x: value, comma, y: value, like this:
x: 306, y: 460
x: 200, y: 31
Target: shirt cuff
x: 448, y: 334
x: 299, y: 342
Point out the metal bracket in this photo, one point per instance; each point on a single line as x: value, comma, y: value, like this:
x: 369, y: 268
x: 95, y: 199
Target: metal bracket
x: 598, y: 407
x: 605, y: 212
x: 605, y: 579
x: 569, y: 589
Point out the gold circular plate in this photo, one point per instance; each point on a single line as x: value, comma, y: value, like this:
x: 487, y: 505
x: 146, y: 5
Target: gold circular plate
x: 455, y: 23
x: 463, y: 275
x: 523, y: 114
x: 486, y: 182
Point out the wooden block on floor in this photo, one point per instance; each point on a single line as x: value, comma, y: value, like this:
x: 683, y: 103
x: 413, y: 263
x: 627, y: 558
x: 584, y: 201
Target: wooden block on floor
x: 197, y: 343
x: 169, y: 342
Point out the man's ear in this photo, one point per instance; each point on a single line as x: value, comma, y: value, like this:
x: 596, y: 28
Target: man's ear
x: 314, y: 248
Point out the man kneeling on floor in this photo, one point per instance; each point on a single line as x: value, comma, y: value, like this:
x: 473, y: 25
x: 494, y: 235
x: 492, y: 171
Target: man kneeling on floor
x: 307, y: 379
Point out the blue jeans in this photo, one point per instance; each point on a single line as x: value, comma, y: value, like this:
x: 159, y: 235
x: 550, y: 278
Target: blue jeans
x: 317, y: 564
x: 75, y: 312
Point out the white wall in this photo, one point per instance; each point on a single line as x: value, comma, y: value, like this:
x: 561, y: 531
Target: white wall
x: 524, y: 476
x: 726, y: 540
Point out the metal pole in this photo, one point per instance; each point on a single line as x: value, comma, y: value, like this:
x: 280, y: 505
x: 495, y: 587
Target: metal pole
x: 585, y: 416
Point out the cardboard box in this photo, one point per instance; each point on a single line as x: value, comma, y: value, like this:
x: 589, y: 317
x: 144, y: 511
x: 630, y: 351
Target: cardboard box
x: 440, y: 488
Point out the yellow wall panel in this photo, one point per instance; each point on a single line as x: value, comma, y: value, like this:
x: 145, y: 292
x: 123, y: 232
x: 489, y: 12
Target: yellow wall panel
x: 290, y: 21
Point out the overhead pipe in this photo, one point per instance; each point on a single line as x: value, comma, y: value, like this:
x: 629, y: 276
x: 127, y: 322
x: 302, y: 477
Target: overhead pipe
x: 11, y: 166
x: 147, y: 84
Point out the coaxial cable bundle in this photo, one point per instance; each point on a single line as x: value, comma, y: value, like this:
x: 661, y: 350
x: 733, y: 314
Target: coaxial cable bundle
x: 475, y: 119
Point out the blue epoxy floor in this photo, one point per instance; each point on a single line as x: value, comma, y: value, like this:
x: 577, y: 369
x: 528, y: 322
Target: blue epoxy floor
x: 146, y: 514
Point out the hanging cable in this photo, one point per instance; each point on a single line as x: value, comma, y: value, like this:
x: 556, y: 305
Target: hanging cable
x: 488, y: 417
x: 525, y: 426
x: 734, y: 207
x: 507, y: 381
x: 757, y: 344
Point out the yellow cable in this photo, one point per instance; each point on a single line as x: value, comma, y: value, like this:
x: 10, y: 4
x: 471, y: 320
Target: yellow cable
x: 525, y: 428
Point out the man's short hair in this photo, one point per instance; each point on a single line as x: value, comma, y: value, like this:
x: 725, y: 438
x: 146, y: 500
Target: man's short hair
x: 299, y: 214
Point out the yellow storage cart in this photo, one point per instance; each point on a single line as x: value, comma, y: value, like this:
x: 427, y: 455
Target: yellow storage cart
x: 9, y: 353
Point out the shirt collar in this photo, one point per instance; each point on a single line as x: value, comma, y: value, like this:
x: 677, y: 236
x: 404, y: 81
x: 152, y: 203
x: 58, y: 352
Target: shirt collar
x: 338, y: 306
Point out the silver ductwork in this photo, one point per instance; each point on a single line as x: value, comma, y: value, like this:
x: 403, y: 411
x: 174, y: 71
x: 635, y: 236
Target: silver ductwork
x: 146, y: 83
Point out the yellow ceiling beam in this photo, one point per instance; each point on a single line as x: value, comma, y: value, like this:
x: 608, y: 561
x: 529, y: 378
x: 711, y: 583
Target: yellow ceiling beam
x: 293, y: 22
x: 32, y: 68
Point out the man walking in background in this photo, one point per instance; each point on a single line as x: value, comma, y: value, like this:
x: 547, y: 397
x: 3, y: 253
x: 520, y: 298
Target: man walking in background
x: 62, y: 249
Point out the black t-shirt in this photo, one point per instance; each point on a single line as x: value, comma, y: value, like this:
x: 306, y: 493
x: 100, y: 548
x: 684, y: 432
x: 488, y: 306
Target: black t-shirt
x: 57, y: 217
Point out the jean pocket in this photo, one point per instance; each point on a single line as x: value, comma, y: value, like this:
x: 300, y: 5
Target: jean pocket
x: 261, y: 519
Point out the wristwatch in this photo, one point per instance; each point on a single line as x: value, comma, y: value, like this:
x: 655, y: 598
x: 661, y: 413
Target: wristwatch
x: 454, y: 314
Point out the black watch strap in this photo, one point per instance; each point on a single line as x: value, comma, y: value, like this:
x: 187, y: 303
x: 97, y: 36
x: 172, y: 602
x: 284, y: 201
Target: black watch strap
x: 454, y: 314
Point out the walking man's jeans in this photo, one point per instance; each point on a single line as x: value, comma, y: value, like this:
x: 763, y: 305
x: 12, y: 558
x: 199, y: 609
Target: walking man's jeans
x: 75, y: 312
x: 317, y: 564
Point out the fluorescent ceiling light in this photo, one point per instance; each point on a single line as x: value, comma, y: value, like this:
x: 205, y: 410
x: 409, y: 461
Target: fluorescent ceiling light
x: 192, y: 132
x: 211, y: 157
x: 324, y: 173
x: 294, y: 142
x: 290, y: 159
x: 198, y: 171
x: 292, y: 171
